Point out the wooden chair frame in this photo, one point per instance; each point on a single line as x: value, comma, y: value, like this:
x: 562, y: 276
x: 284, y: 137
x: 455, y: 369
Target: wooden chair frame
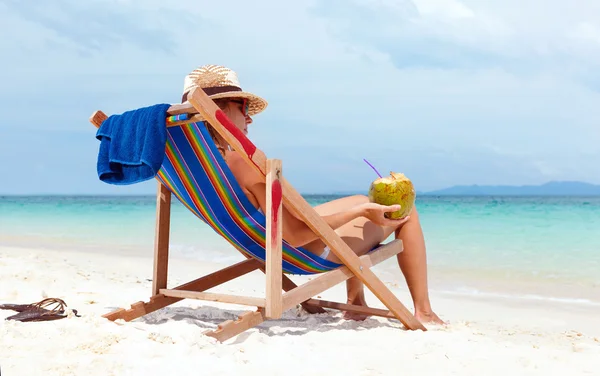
x: 279, y: 192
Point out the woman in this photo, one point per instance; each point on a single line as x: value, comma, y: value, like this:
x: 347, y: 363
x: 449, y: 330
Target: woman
x: 360, y: 223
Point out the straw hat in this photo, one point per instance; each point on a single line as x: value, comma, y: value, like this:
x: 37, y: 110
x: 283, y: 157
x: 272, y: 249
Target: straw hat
x: 221, y: 82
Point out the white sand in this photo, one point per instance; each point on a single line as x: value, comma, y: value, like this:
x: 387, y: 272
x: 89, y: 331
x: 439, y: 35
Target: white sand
x: 494, y: 337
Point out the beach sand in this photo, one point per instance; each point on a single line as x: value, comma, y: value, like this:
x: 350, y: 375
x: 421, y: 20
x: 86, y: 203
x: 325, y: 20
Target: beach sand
x: 491, y: 336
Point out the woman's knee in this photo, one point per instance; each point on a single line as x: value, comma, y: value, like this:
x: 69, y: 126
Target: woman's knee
x: 414, y: 218
x: 360, y: 198
x: 340, y: 204
x: 414, y: 215
x: 355, y: 200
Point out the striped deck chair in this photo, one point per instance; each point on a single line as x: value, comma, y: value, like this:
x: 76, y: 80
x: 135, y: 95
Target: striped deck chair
x: 195, y: 172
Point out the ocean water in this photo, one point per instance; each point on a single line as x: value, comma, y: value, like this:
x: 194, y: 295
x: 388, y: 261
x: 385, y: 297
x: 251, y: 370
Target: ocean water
x: 520, y: 247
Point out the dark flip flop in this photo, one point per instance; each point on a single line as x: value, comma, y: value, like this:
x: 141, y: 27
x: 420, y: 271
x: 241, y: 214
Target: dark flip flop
x: 16, y: 307
x: 39, y: 311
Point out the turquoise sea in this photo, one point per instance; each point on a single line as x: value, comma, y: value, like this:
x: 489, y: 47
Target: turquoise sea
x: 531, y: 248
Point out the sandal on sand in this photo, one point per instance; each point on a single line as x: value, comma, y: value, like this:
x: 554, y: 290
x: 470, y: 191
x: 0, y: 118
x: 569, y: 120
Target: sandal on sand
x: 39, y: 311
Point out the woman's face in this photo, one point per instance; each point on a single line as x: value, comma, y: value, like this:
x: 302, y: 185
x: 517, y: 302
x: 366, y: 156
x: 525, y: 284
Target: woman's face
x: 237, y: 111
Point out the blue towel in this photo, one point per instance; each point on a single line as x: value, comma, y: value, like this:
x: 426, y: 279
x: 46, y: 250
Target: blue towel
x: 132, y: 145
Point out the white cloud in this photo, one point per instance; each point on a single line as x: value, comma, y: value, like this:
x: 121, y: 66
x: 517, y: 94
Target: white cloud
x: 472, y: 34
x: 444, y: 9
x: 588, y: 32
x: 419, y: 85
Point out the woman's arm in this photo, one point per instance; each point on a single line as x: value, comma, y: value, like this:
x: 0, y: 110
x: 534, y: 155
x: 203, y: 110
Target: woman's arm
x: 297, y: 233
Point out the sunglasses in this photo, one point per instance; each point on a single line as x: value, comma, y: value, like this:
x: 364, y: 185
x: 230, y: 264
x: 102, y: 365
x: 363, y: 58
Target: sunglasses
x: 245, y: 106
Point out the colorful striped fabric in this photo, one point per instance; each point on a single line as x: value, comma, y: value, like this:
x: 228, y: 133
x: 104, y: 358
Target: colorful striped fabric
x: 196, y: 173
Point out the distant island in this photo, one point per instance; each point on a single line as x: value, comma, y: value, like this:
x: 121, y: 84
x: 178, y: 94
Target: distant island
x: 553, y: 188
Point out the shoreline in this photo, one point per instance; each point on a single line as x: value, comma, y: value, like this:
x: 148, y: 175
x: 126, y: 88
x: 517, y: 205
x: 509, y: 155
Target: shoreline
x: 448, y: 281
x: 393, y: 281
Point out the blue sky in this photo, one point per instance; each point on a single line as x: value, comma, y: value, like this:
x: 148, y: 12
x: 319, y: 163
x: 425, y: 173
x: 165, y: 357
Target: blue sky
x: 448, y: 92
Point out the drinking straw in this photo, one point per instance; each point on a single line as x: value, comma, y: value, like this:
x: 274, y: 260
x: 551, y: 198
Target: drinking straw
x: 374, y: 169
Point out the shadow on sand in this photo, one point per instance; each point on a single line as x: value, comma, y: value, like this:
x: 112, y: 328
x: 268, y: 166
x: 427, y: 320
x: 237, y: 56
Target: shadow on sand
x: 293, y: 322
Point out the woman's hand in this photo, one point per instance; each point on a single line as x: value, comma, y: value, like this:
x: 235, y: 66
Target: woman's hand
x: 376, y: 214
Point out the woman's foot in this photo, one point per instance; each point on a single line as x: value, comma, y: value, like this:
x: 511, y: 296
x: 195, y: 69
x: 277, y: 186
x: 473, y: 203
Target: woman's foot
x: 359, y: 301
x: 428, y: 317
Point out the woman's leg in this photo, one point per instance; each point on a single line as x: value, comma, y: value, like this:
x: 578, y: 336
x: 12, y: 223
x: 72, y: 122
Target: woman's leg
x: 361, y: 239
x: 413, y: 263
x: 362, y: 235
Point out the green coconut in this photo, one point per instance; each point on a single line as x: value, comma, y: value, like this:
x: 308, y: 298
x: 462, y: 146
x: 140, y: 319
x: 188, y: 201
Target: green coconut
x: 392, y: 190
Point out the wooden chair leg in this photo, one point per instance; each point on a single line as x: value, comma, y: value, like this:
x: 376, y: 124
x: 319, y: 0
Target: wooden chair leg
x: 230, y: 328
x: 273, y: 247
x: 161, y: 242
x: 201, y: 284
x: 353, y: 308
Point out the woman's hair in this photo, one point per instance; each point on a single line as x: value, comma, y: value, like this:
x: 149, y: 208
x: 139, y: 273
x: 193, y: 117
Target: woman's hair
x: 217, y: 138
x: 219, y: 141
